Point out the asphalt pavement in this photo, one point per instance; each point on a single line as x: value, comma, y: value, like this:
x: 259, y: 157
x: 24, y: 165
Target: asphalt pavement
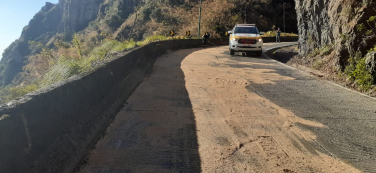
x: 349, y: 117
x: 193, y: 110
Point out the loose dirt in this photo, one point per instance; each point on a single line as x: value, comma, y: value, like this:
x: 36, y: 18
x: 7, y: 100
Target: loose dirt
x: 240, y: 131
x: 196, y: 112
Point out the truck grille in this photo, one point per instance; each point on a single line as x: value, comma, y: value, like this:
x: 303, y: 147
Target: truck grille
x: 247, y: 41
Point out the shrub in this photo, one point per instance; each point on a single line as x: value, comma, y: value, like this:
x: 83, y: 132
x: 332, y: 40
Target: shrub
x: 369, y: 28
x: 324, y: 50
x: 77, y: 44
x: 318, y: 64
x: 372, y: 49
x: 152, y: 38
x: 68, y: 60
x: 327, y: 49
x: 10, y: 93
x: 274, y: 33
x: 157, y: 15
x: 357, y: 71
x: 315, y: 52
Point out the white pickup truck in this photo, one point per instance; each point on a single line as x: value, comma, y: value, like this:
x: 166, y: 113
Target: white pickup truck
x: 245, y: 38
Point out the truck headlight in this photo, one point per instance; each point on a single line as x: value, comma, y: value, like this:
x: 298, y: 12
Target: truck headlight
x: 260, y: 40
x: 235, y: 39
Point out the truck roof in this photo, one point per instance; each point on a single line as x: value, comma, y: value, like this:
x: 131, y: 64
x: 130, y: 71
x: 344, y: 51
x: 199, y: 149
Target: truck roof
x: 245, y: 25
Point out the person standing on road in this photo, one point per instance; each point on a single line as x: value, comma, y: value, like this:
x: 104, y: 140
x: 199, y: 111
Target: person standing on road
x: 278, y: 36
x: 205, y: 39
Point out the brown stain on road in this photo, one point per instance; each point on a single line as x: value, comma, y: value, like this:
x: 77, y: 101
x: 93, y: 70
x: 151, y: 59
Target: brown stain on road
x: 196, y: 113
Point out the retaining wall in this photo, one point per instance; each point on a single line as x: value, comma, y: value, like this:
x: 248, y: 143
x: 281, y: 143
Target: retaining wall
x: 283, y: 39
x: 52, y: 129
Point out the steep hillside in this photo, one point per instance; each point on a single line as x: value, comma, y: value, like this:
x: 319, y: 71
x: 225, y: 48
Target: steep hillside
x: 96, y: 20
x: 218, y: 16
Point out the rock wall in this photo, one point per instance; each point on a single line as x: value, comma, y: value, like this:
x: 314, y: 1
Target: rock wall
x: 77, y: 14
x: 325, y: 22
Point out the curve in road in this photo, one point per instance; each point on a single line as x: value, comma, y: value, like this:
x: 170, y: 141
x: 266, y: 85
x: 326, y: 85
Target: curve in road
x: 201, y: 110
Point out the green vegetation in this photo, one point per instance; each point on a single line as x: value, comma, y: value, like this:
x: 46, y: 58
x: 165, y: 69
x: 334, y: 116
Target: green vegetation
x: 9, y: 93
x: 274, y: 33
x: 318, y: 64
x: 324, y: 50
x: 153, y: 39
x: 327, y: 49
x: 357, y: 71
x: 65, y: 66
x: 68, y: 59
x: 368, y: 29
x: 356, y: 68
x: 372, y: 49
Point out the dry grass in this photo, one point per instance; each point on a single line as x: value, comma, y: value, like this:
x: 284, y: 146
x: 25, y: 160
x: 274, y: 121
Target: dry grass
x: 214, y: 12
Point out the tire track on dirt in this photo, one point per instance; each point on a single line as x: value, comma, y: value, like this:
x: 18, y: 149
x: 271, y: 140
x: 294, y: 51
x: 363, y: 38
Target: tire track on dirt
x: 259, y: 136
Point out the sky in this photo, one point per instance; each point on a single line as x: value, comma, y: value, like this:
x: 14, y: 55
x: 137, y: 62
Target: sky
x: 14, y: 16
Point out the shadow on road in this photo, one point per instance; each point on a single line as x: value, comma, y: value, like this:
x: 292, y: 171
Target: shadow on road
x: 242, y: 54
x: 349, y: 116
x: 156, y: 130
x: 283, y: 56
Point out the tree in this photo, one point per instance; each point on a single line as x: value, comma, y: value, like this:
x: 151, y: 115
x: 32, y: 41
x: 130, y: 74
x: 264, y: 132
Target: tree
x: 78, y: 45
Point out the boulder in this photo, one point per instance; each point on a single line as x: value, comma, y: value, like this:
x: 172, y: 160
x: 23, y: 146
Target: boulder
x: 370, y: 60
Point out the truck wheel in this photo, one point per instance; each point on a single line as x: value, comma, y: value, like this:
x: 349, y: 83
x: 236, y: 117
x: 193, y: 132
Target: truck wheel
x: 249, y: 53
x: 232, y: 52
x: 259, y: 53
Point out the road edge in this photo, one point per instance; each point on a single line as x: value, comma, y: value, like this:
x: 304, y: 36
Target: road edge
x: 291, y: 67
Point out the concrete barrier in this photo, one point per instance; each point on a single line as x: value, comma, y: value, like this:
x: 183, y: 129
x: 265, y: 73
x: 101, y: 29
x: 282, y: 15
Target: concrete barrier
x: 283, y: 39
x: 52, y: 129
x: 273, y: 39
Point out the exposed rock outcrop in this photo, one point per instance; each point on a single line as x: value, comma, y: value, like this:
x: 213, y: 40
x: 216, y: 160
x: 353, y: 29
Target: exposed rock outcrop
x: 77, y: 14
x: 370, y: 60
x: 326, y: 22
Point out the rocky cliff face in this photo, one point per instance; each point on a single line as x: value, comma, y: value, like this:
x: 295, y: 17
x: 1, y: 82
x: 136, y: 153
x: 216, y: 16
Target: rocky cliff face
x: 65, y: 17
x: 326, y: 22
x: 77, y: 14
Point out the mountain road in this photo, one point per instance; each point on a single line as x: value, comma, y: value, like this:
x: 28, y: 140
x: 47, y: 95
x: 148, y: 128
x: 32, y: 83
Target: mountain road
x: 202, y: 110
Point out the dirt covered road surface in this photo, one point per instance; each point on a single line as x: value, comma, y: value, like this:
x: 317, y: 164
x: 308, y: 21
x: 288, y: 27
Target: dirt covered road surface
x: 201, y: 110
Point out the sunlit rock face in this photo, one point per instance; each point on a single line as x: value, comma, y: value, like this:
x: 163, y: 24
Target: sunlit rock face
x: 76, y: 14
x: 326, y: 22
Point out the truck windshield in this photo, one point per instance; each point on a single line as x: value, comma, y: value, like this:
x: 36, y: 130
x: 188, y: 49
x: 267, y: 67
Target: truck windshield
x: 246, y: 30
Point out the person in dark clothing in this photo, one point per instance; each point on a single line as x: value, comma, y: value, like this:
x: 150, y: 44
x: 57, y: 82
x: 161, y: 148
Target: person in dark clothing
x: 205, y: 39
x: 278, y: 36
